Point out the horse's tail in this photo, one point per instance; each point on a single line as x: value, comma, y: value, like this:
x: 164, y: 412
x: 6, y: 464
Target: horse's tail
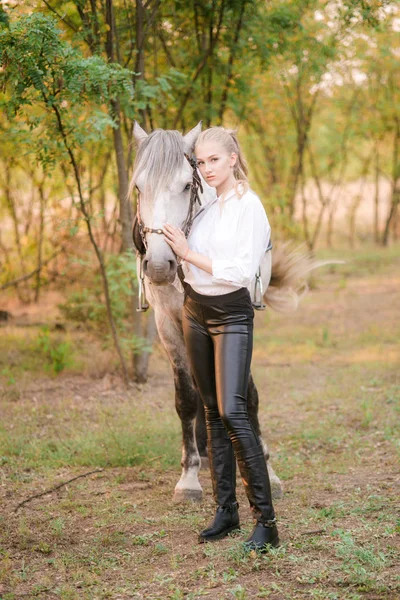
x: 290, y: 269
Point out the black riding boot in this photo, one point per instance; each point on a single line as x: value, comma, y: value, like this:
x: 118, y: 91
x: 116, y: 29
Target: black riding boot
x: 223, y: 473
x: 255, y: 478
x: 226, y: 520
x: 263, y: 536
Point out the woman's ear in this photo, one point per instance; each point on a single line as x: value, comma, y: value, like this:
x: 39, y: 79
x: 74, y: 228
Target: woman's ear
x: 233, y: 159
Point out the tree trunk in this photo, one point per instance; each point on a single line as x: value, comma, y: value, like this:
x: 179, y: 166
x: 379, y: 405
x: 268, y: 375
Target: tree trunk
x: 395, y: 223
x: 42, y: 201
x: 395, y: 184
x: 376, y: 197
x: 145, y: 328
x: 23, y: 294
x: 125, y: 211
x: 304, y: 216
x: 352, y: 220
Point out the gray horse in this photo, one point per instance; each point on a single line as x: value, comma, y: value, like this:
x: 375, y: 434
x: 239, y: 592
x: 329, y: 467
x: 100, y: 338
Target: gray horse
x: 165, y: 179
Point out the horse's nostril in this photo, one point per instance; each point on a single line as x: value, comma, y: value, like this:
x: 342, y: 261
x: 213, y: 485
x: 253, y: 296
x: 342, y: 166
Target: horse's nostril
x: 172, y: 265
x: 145, y: 265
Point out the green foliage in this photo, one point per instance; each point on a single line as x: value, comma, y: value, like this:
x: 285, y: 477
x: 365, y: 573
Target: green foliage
x: 351, y: 552
x: 4, y: 20
x: 366, y: 11
x: 87, y: 307
x: 362, y: 563
x: 59, y: 94
x: 9, y: 375
x: 147, y: 539
x: 57, y: 354
x: 239, y: 592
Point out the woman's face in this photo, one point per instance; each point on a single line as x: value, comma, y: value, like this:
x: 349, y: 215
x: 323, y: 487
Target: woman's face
x: 215, y: 165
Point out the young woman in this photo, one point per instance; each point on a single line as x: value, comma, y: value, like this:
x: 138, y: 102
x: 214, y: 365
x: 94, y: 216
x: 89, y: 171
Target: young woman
x: 221, y: 257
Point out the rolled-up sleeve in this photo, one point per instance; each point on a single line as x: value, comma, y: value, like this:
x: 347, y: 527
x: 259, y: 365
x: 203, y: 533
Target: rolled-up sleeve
x: 252, y: 233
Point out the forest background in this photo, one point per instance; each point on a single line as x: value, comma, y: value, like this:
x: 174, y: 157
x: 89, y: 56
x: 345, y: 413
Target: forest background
x: 88, y: 464
x: 312, y: 87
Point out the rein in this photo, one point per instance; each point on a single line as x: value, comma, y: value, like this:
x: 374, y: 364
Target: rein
x: 194, y: 197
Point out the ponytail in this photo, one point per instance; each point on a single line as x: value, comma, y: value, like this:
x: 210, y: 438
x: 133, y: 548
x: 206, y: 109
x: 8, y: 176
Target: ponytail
x: 240, y: 169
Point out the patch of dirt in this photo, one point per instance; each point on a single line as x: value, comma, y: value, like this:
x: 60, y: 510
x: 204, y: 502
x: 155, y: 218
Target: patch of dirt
x: 331, y: 423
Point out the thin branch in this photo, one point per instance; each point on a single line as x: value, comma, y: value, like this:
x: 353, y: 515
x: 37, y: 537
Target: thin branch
x: 55, y: 488
x: 167, y: 51
x: 196, y: 25
x: 32, y: 273
x: 66, y: 21
x: 232, y: 55
x: 200, y: 67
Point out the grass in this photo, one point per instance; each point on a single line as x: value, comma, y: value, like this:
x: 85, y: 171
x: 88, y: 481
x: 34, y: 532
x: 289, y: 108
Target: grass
x: 330, y: 401
x: 66, y: 434
x: 36, y: 350
x: 362, y: 262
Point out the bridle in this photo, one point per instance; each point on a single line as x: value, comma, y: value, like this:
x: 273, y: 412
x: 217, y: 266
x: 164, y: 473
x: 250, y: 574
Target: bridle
x: 196, y: 185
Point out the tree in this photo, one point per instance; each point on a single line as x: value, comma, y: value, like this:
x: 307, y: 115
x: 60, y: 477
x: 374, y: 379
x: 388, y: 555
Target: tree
x: 65, y: 91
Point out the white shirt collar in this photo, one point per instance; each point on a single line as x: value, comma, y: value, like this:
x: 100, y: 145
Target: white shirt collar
x: 203, y: 209
x: 229, y: 195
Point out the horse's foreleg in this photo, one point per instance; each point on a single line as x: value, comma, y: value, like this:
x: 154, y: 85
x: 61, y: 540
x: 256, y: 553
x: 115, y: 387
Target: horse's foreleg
x: 186, y: 402
x: 252, y: 408
x: 186, y: 396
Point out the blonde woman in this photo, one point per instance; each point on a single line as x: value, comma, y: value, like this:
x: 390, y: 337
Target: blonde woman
x: 220, y: 258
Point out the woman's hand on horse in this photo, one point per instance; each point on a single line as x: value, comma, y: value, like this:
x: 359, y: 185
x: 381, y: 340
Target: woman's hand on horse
x: 176, y: 239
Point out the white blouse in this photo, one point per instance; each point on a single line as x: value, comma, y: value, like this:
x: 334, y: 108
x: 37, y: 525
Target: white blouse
x: 235, y: 234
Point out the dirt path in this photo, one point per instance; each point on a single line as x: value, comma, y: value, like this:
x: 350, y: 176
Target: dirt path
x: 329, y: 383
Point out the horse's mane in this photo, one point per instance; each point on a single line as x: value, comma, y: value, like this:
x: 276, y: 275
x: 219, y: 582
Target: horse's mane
x: 161, y: 153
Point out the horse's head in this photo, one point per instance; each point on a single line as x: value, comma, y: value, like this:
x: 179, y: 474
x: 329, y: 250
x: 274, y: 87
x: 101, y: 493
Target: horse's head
x: 163, y: 177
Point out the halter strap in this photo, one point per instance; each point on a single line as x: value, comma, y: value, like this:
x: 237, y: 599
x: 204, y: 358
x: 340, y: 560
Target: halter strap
x: 151, y: 230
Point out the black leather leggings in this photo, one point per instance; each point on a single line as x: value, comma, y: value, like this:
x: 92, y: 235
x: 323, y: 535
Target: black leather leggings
x: 218, y: 333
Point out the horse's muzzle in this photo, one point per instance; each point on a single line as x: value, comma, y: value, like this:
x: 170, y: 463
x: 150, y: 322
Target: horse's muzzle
x: 160, y: 273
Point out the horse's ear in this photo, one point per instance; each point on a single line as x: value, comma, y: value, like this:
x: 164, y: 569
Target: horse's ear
x: 139, y: 133
x: 190, y: 138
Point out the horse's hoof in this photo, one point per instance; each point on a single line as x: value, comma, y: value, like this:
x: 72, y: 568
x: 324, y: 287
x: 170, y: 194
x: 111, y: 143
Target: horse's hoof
x: 205, y: 463
x: 185, y: 495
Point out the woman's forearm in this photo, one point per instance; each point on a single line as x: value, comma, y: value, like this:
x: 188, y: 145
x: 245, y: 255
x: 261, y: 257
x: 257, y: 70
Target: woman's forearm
x: 199, y: 260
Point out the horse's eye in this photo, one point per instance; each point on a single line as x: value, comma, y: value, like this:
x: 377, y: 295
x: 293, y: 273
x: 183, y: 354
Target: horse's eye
x: 187, y: 187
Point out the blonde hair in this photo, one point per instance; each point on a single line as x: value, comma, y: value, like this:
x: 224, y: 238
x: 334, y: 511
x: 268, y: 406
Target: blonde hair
x: 228, y: 140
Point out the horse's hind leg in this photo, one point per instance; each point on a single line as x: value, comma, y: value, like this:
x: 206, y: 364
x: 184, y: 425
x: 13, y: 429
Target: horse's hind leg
x: 201, y: 434
x: 252, y: 407
x: 186, y: 400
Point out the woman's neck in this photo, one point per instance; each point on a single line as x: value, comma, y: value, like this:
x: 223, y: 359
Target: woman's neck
x: 226, y: 186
